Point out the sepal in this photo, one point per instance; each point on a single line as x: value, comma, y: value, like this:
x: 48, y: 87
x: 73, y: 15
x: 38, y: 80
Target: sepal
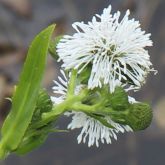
x: 52, y: 47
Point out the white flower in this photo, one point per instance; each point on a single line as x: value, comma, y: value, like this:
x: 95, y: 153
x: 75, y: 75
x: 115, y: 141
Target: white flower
x: 92, y: 129
x: 114, y: 47
x: 60, y: 89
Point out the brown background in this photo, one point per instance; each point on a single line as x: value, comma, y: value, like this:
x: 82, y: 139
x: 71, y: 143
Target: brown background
x: 21, y: 20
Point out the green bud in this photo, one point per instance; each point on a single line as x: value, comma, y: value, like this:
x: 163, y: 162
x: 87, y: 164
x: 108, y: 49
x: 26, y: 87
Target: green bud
x: 139, y: 116
x: 91, y: 98
x: 33, y: 140
x: 36, y: 134
x: 119, y: 99
x: 44, y: 104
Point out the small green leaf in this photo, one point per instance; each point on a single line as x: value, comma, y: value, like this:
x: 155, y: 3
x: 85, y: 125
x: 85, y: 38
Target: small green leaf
x: 83, y: 77
x: 25, y: 96
x: 52, y: 47
x: 101, y: 119
x: 119, y: 99
x: 30, y: 144
x: 43, y: 104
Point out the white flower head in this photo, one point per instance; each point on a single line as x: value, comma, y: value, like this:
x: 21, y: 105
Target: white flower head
x: 92, y: 129
x: 114, y: 47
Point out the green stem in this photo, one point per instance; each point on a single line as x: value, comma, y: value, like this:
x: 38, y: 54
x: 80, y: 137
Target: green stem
x: 97, y: 108
x: 72, y: 83
x: 82, y: 107
x: 74, y: 102
x: 59, y: 109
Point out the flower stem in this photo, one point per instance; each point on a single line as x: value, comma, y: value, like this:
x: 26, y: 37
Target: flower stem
x: 59, y: 109
x: 97, y: 109
x: 72, y: 83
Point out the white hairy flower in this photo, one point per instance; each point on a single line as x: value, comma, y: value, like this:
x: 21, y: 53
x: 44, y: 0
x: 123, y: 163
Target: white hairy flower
x: 92, y: 129
x: 114, y: 48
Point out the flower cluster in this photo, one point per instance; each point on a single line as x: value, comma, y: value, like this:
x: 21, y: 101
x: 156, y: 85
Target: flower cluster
x: 107, y: 53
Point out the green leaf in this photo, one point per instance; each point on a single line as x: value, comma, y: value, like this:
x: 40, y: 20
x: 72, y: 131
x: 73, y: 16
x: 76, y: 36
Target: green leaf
x: 52, y: 47
x: 33, y: 141
x: 36, y: 140
x: 25, y: 96
x: 101, y: 119
x: 83, y: 77
x: 43, y: 104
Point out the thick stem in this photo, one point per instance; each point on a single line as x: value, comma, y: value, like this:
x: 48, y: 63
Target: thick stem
x: 59, y: 109
x: 85, y: 108
x: 97, y: 108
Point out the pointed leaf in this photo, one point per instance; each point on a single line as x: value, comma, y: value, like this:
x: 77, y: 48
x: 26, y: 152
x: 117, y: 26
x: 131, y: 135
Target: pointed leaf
x: 24, y: 99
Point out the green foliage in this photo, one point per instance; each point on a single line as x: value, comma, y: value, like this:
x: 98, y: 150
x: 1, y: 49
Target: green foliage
x: 35, y: 135
x: 115, y: 105
x: 25, y: 96
x: 43, y: 104
x: 119, y: 99
x: 101, y: 119
x: 83, y: 77
x: 52, y: 47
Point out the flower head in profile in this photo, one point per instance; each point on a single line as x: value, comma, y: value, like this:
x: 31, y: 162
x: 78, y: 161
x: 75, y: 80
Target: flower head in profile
x: 92, y: 130
x: 113, y: 48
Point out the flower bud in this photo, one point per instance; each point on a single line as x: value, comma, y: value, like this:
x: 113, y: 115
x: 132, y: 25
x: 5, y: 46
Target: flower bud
x: 44, y: 104
x: 139, y: 116
x: 119, y: 99
x: 35, y: 135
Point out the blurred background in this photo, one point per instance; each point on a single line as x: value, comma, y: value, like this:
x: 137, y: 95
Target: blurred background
x: 21, y: 20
